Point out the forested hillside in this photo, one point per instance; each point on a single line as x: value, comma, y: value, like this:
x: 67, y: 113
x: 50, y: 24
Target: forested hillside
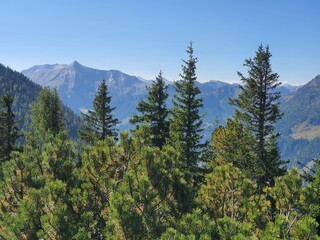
x: 302, y: 110
x: 77, y: 84
x: 24, y: 92
x: 300, y: 124
x: 159, y: 181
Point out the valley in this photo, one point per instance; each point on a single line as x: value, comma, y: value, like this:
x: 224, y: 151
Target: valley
x: 76, y: 85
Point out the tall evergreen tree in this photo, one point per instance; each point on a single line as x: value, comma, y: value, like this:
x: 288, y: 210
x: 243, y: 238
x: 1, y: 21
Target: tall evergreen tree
x: 98, y: 124
x: 154, y: 111
x: 8, y: 128
x: 185, y: 135
x: 186, y: 123
x: 47, y: 113
x: 258, y: 108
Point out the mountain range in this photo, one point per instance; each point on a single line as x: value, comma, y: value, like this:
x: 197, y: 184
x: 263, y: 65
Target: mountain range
x: 77, y: 85
x: 300, y: 124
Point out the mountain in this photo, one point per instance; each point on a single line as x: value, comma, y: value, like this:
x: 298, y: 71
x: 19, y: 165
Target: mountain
x: 302, y: 110
x: 287, y: 90
x: 300, y: 124
x: 77, y: 85
x: 25, y: 92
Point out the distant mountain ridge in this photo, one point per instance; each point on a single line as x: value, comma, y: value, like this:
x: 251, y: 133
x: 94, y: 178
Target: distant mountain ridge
x: 77, y: 85
x: 303, y: 107
x: 300, y: 124
x: 64, y: 77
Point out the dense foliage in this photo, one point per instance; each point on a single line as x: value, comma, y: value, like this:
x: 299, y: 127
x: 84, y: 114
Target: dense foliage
x: 54, y: 188
x: 24, y: 92
x: 8, y: 128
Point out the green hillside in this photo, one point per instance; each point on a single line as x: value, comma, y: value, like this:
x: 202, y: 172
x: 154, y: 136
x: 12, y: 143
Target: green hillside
x: 300, y: 124
x: 25, y: 92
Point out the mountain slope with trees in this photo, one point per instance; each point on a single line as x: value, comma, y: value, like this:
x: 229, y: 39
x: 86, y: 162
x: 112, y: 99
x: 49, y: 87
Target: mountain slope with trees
x: 53, y: 188
x: 24, y: 92
x: 302, y: 109
x: 301, y: 123
x: 77, y: 85
x: 126, y: 91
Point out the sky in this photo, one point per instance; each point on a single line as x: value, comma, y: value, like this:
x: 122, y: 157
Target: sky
x: 142, y: 37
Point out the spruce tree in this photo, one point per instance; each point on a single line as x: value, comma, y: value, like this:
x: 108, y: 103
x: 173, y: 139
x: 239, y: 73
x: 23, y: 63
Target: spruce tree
x: 47, y: 116
x: 99, y: 123
x: 186, y: 123
x: 154, y: 111
x: 8, y: 128
x: 258, y: 109
x: 185, y: 135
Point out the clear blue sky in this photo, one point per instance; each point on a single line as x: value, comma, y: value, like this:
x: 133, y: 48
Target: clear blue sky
x: 142, y: 37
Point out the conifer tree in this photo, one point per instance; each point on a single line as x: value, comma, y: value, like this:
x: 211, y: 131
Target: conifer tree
x: 258, y: 109
x: 47, y: 113
x: 143, y: 204
x: 185, y: 135
x: 35, y: 191
x: 186, y: 124
x: 154, y: 111
x: 37, y: 181
x: 99, y: 123
x: 8, y: 128
x: 97, y: 178
x: 193, y: 225
x: 230, y: 198
x: 233, y: 144
x: 312, y: 194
